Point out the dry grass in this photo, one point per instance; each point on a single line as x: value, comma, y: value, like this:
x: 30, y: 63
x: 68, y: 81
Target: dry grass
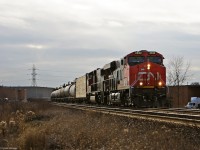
x: 57, y: 128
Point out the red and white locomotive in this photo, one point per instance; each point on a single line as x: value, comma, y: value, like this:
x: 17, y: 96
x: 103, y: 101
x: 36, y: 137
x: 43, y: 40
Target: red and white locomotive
x: 138, y: 79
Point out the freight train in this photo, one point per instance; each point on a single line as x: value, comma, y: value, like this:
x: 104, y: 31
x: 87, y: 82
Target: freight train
x: 138, y: 79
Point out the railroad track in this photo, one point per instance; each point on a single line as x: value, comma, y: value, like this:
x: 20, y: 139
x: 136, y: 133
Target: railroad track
x: 175, y: 116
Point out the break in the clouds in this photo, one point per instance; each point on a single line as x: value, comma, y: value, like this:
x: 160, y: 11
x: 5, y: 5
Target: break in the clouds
x: 66, y: 38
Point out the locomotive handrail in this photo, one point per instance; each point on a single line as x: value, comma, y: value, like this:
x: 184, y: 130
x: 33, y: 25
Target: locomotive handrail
x: 136, y: 80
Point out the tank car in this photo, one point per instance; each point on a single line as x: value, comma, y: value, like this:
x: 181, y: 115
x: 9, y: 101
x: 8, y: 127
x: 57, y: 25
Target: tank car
x: 138, y: 79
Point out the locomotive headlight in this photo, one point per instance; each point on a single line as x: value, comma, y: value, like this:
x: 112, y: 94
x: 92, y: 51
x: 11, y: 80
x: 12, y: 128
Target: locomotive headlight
x: 141, y: 83
x: 148, y: 66
x: 160, y: 83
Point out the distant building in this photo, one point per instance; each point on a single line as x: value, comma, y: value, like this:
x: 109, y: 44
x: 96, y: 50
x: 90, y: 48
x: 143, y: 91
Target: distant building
x: 185, y: 93
x: 38, y: 93
x: 13, y: 94
x: 26, y: 93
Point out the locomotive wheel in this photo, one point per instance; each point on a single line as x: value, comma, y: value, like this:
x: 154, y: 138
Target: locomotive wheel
x: 127, y: 100
x: 108, y: 101
x: 155, y: 102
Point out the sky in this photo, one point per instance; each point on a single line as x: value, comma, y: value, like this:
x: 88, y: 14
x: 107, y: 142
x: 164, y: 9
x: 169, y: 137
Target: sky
x: 64, y: 39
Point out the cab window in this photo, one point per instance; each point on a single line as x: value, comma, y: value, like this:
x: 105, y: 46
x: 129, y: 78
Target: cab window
x: 155, y: 59
x: 134, y: 60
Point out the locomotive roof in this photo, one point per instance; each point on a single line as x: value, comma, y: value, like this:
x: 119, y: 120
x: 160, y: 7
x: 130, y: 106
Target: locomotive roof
x: 144, y: 53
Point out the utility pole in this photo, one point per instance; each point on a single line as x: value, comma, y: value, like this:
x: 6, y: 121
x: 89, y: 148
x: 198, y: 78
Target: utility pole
x: 34, y: 83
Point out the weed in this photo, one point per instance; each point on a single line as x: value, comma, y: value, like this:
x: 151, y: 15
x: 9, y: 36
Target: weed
x: 53, y: 127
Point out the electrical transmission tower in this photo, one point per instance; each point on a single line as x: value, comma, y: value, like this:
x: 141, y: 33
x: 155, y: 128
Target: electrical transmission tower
x: 34, y: 82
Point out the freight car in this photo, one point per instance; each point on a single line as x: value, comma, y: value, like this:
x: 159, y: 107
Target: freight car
x: 138, y: 79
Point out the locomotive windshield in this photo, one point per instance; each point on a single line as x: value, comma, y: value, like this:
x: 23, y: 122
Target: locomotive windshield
x: 155, y: 59
x: 134, y: 60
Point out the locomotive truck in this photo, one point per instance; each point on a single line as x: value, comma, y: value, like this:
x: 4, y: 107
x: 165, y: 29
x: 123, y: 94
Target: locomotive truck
x: 138, y: 79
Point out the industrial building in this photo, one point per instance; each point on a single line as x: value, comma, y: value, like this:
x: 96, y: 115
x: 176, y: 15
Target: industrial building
x: 38, y: 93
x: 181, y: 95
x: 12, y: 93
x: 29, y: 93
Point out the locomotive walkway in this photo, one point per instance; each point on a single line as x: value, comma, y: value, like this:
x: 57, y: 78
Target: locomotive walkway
x: 182, y: 116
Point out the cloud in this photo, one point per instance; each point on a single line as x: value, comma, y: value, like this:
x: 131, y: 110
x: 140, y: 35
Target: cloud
x: 72, y: 37
x: 33, y: 46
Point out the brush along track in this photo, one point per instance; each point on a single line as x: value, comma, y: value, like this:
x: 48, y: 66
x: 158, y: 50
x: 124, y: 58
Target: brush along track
x: 175, y: 116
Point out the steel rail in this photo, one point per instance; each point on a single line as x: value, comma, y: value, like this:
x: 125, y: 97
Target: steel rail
x: 177, y: 110
x: 148, y: 114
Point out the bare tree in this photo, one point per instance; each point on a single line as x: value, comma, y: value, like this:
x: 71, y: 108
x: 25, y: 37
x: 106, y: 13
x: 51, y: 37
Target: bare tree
x: 178, y: 72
